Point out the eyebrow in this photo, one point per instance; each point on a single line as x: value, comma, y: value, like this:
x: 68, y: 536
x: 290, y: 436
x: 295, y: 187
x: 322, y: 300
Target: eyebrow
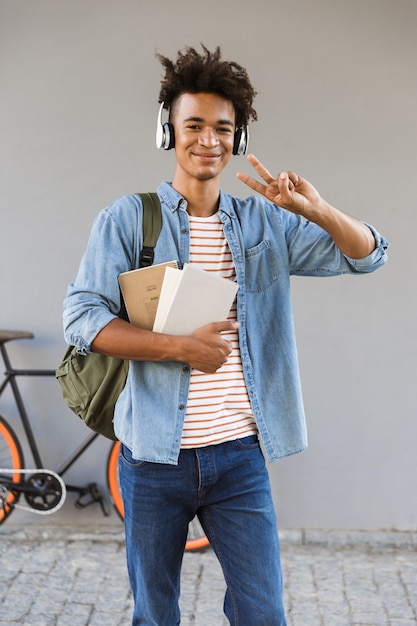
x: 200, y: 120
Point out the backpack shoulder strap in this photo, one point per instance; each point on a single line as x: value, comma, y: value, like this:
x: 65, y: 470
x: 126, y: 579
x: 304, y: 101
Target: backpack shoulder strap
x: 151, y: 226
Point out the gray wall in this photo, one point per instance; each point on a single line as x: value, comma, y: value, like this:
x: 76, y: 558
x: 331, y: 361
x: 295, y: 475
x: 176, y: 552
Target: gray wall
x: 337, y: 103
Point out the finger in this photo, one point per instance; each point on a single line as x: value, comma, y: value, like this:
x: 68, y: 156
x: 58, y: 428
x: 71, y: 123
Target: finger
x: 285, y: 185
x: 294, y: 178
x: 285, y: 177
x: 252, y: 183
x: 291, y: 177
x: 261, y: 169
x: 219, y: 327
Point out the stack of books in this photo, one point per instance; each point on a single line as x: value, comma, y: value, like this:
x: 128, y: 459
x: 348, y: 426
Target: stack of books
x: 166, y: 299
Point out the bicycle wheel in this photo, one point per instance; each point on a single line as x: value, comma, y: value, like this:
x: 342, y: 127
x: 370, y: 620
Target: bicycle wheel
x: 196, y: 539
x: 11, y: 458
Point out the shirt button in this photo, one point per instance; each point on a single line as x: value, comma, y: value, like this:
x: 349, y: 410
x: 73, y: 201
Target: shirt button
x: 185, y: 231
x: 181, y: 407
x: 186, y: 369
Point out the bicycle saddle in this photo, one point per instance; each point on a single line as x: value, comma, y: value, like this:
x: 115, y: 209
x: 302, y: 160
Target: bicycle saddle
x: 8, y: 335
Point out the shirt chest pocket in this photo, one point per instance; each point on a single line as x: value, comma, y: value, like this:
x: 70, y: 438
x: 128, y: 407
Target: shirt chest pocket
x: 261, y: 267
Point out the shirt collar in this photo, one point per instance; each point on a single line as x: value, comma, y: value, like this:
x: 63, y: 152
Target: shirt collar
x: 175, y: 200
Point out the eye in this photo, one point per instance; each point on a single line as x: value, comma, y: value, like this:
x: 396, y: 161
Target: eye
x: 225, y: 130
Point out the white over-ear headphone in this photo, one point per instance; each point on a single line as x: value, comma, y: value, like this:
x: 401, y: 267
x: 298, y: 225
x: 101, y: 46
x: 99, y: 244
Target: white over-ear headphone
x: 165, y: 137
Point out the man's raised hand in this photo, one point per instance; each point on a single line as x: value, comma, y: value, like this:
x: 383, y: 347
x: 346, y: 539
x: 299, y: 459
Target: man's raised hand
x: 288, y: 189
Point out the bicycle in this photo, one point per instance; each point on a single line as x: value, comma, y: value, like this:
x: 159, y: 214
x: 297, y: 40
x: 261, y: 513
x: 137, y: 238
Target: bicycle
x: 45, y: 490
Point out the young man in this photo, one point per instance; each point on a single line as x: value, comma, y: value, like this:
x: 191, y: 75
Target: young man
x: 195, y: 407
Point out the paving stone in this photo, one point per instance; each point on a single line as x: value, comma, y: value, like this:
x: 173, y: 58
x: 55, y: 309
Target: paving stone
x: 77, y: 577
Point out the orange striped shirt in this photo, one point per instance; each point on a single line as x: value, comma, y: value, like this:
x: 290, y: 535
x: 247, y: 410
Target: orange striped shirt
x: 218, y: 407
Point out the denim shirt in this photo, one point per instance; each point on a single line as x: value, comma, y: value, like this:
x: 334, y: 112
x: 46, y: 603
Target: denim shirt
x: 268, y: 245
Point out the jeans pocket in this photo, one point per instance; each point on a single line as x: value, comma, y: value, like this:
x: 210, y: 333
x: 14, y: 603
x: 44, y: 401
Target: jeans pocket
x: 127, y: 458
x: 248, y: 443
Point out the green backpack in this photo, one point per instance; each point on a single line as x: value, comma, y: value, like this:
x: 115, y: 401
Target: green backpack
x: 92, y: 383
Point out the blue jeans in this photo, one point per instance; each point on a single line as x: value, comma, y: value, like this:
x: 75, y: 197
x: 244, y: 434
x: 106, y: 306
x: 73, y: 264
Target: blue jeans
x: 227, y: 487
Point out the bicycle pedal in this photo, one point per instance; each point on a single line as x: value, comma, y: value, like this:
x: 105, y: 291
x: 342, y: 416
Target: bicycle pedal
x: 98, y: 497
x: 89, y: 495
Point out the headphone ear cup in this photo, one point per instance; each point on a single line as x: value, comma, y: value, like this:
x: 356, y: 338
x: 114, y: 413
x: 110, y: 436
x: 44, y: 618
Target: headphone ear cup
x: 241, y: 140
x: 168, y: 136
x: 164, y: 132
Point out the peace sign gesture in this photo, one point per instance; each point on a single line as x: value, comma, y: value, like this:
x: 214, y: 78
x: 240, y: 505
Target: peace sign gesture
x: 288, y: 189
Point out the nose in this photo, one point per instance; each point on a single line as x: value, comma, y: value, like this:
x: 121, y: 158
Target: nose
x: 208, y: 138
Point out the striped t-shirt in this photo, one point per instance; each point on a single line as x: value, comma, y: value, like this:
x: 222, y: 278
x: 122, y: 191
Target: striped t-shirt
x: 218, y: 406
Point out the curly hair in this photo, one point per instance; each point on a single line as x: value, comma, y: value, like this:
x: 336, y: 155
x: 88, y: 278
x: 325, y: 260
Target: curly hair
x: 197, y: 73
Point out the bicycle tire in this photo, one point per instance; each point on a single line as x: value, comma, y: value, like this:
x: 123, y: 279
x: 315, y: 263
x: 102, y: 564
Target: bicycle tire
x: 11, y: 457
x: 196, y: 539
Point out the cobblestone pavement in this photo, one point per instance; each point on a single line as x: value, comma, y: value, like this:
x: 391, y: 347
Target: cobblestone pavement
x: 76, y: 576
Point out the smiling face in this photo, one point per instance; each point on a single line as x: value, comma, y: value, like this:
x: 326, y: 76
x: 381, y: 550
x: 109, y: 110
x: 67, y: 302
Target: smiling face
x: 204, y: 125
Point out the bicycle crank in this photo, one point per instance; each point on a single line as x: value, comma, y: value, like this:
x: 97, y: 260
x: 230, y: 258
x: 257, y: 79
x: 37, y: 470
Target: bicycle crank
x: 44, y: 490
